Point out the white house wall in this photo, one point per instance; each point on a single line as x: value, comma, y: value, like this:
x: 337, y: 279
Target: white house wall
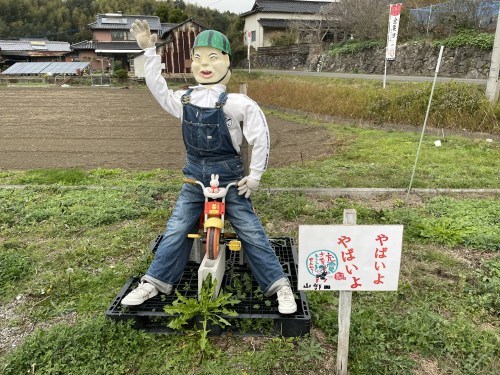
x: 139, y: 66
x: 263, y: 39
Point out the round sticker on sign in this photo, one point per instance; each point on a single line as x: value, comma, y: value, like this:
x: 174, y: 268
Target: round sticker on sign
x: 322, y: 264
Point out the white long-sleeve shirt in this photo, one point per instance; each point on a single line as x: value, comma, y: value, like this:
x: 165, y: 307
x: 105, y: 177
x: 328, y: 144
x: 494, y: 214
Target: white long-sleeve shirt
x: 238, y: 108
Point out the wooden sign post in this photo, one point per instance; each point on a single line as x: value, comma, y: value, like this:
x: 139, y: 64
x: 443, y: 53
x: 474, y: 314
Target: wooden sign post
x: 345, y: 300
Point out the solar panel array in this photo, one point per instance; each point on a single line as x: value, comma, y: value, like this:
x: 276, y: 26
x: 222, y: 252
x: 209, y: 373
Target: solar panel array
x: 21, y: 68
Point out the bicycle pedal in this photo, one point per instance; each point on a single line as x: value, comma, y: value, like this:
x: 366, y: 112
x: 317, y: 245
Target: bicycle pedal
x: 234, y: 245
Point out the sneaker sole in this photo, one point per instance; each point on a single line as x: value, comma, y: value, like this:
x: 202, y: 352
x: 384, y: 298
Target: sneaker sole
x: 287, y: 311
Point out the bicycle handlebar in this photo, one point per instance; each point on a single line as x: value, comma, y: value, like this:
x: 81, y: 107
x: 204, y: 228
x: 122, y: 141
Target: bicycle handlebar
x: 189, y: 181
x: 192, y: 181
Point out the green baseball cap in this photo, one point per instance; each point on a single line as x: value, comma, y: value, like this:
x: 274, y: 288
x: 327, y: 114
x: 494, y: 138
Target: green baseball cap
x: 214, y: 39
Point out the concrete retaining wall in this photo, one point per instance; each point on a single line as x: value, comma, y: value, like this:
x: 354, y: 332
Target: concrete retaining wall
x: 411, y: 59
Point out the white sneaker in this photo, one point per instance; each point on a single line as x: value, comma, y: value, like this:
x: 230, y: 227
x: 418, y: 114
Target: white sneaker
x: 286, y: 301
x: 140, y: 294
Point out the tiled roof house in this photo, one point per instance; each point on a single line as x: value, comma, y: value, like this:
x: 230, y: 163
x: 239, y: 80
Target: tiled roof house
x: 112, y: 41
x: 269, y: 16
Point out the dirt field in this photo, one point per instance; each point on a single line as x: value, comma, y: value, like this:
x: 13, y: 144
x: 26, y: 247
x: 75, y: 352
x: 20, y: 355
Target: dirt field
x: 116, y: 128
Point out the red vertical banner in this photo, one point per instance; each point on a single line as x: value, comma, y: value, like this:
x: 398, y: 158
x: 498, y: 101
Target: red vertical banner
x: 392, y: 36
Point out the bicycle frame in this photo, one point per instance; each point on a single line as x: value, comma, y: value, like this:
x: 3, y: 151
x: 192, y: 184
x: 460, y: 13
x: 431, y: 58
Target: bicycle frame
x: 213, y: 215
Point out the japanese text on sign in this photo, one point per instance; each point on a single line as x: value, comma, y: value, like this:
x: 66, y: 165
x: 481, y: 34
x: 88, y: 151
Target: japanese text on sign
x: 349, y: 257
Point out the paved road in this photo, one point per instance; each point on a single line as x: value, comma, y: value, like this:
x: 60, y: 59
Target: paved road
x: 379, y: 77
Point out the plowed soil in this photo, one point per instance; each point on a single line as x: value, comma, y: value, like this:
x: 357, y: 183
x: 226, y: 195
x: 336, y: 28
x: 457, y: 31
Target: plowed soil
x: 106, y: 127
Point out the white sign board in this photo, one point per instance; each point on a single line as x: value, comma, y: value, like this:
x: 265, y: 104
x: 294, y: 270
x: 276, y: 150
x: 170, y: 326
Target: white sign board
x: 349, y: 257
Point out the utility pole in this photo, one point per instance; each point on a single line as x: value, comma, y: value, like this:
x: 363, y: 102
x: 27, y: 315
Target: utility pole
x: 492, y: 85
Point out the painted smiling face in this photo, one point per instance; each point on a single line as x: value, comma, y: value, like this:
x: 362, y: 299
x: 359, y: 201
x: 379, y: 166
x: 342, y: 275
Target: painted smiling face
x: 210, y: 66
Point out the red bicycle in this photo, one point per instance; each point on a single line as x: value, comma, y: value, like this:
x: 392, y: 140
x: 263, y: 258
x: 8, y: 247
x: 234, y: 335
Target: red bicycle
x: 212, y: 218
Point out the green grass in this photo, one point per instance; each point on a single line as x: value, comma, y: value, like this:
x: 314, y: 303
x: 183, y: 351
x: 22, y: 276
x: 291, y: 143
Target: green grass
x: 385, y: 159
x: 66, y: 251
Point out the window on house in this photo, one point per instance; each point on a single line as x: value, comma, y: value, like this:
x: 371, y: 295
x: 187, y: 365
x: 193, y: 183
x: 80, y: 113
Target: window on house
x: 254, y: 38
x: 121, y: 35
x: 118, y: 35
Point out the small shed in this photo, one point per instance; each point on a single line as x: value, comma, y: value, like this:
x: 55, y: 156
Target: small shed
x: 33, y: 50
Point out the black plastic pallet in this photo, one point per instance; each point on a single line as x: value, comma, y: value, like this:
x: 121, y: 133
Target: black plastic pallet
x: 257, y: 314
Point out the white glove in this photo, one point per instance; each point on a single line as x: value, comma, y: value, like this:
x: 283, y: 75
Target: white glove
x: 140, y: 30
x: 247, y: 185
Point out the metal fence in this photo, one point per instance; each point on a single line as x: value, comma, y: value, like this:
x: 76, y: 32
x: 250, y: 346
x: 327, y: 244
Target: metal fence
x: 487, y: 12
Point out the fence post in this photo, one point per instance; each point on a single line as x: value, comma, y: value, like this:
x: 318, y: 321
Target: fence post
x: 244, y: 151
x: 345, y: 299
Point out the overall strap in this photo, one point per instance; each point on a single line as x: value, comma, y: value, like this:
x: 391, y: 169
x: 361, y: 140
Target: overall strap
x: 186, y: 98
x: 222, y: 100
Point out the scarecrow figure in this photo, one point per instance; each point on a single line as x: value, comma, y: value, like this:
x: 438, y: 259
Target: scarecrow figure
x: 212, y: 137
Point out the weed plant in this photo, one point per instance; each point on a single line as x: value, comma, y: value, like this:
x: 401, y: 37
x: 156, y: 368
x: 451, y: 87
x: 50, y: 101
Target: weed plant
x: 469, y: 38
x: 350, y: 47
x: 206, y: 310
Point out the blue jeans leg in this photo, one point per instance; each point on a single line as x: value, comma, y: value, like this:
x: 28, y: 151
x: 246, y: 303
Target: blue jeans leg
x: 174, y: 249
x: 261, y: 257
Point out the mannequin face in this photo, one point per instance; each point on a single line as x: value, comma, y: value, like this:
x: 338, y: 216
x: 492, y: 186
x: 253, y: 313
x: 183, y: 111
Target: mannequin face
x: 209, y: 65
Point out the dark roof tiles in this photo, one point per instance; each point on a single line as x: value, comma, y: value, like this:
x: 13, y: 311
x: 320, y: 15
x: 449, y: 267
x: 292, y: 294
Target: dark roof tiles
x: 86, y: 44
x: 166, y: 27
x: 277, y: 6
x: 116, y: 21
x: 120, y: 45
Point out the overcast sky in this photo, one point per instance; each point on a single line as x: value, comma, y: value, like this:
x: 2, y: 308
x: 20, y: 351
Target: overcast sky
x: 235, y: 6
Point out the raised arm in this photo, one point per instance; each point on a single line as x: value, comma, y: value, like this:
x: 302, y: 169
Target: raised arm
x: 167, y: 98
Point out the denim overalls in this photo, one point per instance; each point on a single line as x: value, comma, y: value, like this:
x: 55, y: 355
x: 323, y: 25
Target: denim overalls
x: 210, y: 151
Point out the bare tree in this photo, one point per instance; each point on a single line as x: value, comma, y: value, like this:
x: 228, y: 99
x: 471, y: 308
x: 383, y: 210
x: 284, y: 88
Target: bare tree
x: 324, y: 28
x: 308, y: 31
x: 363, y: 19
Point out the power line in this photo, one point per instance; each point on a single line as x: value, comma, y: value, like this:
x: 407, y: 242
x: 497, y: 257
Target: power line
x: 209, y: 5
x: 215, y: 2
